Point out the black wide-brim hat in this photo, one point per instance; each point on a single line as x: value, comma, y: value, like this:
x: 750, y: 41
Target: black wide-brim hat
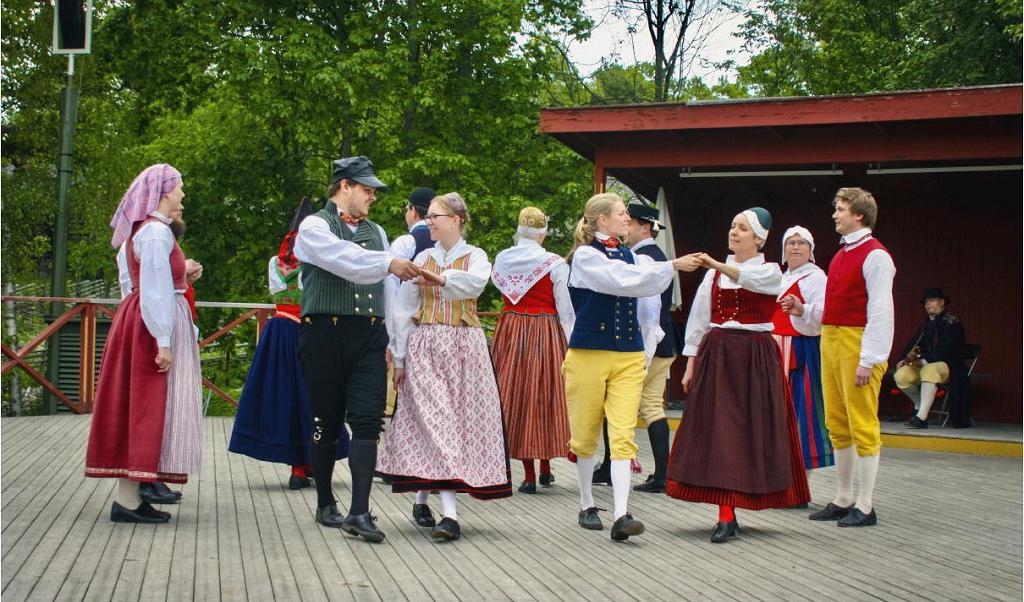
x: 933, y: 293
x: 358, y: 169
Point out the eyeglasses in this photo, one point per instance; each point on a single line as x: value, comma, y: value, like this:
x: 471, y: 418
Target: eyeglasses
x: 432, y: 216
x: 796, y: 243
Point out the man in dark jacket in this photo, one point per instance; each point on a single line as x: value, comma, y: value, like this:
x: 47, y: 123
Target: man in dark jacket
x: 934, y: 356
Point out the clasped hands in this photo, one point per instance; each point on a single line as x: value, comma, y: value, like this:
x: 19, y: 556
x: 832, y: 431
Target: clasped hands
x: 407, y: 270
x: 689, y: 263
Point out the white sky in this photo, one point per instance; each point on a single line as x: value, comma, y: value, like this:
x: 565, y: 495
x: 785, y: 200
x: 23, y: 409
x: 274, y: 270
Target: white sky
x: 611, y: 38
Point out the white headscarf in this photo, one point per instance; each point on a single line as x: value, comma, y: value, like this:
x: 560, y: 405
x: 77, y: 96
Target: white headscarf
x: 804, y: 234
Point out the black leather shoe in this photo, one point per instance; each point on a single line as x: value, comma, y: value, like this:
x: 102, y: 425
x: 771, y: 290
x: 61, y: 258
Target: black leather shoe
x: 361, y: 525
x: 916, y: 423
x: 447, y: 529
x: 830, y: 512
x: 162, y: 488
x: 422, y: 515
x: 723, y: 531
x: 856, y: 518
x: 147, y: 510
x: 297, y: 482
x: 602, y: 475
x: 590, y: 520
x: 528, y: 487
x: 329, y: 516
x: 148, y: 492
x: 651, y: 485
x: 120, y: 514
x: 625, y: 526
x: 546, y: 479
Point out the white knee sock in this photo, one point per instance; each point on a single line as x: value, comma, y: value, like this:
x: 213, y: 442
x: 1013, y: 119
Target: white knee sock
x: 620, y: 486
x: 584, y: 474
x: 846, y: 463
x: 927, y: 399
x: 448, y: 505
x: 867, y: 467
x: 914, y: 393
x: 128, y: 494
x: 421, y: 497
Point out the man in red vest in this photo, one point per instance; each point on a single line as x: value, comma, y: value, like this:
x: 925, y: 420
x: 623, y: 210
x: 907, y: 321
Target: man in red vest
x: 856, y: 337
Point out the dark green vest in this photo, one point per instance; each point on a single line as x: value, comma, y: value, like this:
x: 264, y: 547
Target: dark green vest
x: 325, y: 293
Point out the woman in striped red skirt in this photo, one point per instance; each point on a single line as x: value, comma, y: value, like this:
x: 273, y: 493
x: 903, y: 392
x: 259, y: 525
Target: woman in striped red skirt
x: 738, y: 446
x: 529, y: 346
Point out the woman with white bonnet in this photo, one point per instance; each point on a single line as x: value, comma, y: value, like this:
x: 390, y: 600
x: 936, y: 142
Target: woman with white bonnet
x: 529, y: 346
x: 798, y: 331
x: 738, y: 446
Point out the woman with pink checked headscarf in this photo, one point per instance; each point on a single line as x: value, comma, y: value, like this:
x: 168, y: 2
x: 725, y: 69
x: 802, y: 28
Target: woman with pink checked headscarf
x: 146, y: 423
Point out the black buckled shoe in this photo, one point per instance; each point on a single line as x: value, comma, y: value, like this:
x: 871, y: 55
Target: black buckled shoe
x: 856, y: 518
x: 723, y: 531
x: 625, y: 526
x: 528, y: 487
x: 651, y: 485
x: 830, y: 512
x: 590, y: 520
x: 546, y: 479
x: 296, y: 482
x: 422, y: 515
x: 447, y: 529
x: 150, y: 493
x: 361, y: 525
x: 329, y: 516
x: 162, y: 488
x: 143, y: 514
x: 916, y: 423
x: 602, y: 475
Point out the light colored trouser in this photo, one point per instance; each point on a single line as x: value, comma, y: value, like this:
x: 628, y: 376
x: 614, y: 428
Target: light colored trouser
x: 652, y: 400
x: 908, y: 376
x: 603, y: 385
x: 851, y: 412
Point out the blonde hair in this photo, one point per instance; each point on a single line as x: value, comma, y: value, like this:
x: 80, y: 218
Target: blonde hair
x: 860, y: 202
x: 598, y: 205
x: 454, y: 203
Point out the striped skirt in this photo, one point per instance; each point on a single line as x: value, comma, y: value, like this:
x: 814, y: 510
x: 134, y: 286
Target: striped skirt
x: 801, y: 360
x: 447, y: 429
x: 527, y: 352
x: 738, y: 444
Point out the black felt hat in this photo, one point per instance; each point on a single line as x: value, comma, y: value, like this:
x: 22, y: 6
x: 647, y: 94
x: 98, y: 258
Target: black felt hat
x: 640, y: 211
x: 933, y: 293
x: 358, y: 169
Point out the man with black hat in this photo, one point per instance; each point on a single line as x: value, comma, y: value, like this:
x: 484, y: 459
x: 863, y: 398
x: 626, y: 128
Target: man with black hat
x: 409, y: 245
x: 931, y: 358
x: 342, y: 338
x: 643, y: 229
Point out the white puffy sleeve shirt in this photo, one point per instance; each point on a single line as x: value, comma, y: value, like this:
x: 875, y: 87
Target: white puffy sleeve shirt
x: 879, y: 272
x: 811, y: 280
x: 153, y: 244
x: 459, y: 285
x: 756, y: 275
x: 563, y: 302
x: 593, y: 270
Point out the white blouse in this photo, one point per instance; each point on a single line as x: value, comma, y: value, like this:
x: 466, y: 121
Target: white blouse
x: 459, y: 285
x: 812, y: 281
x: 153, y: 244
x: 879, y: 272
x: 756, y: 275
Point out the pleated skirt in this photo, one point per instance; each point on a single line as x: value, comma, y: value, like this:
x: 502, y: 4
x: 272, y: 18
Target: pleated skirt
x: 527, y: 352
x: 801, y: 360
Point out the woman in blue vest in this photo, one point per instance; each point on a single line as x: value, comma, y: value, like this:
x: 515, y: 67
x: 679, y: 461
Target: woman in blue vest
x: 604, y: 366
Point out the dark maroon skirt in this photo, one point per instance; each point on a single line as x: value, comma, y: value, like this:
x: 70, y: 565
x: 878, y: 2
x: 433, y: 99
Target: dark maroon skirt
x: 738, y: 444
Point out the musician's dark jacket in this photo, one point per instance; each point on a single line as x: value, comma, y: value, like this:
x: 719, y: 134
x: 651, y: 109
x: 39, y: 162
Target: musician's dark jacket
x: 942, y: 340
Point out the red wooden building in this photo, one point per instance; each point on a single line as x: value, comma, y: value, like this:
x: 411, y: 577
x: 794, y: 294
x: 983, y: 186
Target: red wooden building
x: 944, y: 165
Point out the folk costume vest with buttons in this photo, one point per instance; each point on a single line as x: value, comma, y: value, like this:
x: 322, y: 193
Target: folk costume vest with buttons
x: 325, y: 293
x: 846, y: 292
x: 435, y: 309
x: 783, y: 323
x: 605, y: 321
x: 739, y: 305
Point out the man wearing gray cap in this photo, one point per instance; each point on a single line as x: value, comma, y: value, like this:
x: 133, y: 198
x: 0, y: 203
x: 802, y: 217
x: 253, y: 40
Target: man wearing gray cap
x: 342, y: 338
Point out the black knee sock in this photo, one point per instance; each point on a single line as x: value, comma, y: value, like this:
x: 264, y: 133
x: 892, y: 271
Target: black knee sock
x: 362, y: 461
x: 322, y: 458
x: 658, y: 434
x: 607, y: 459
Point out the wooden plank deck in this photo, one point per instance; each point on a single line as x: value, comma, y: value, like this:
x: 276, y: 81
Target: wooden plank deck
x: 950, y: 528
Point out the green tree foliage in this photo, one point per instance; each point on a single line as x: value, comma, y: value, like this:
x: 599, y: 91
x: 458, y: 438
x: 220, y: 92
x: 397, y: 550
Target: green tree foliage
x: 252, y: 100
x: 802, y: 47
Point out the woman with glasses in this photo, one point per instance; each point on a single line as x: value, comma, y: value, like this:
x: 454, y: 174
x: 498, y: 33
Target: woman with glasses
x: 446, y: 434
x: 738, y: 446
x: 797, y: 329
